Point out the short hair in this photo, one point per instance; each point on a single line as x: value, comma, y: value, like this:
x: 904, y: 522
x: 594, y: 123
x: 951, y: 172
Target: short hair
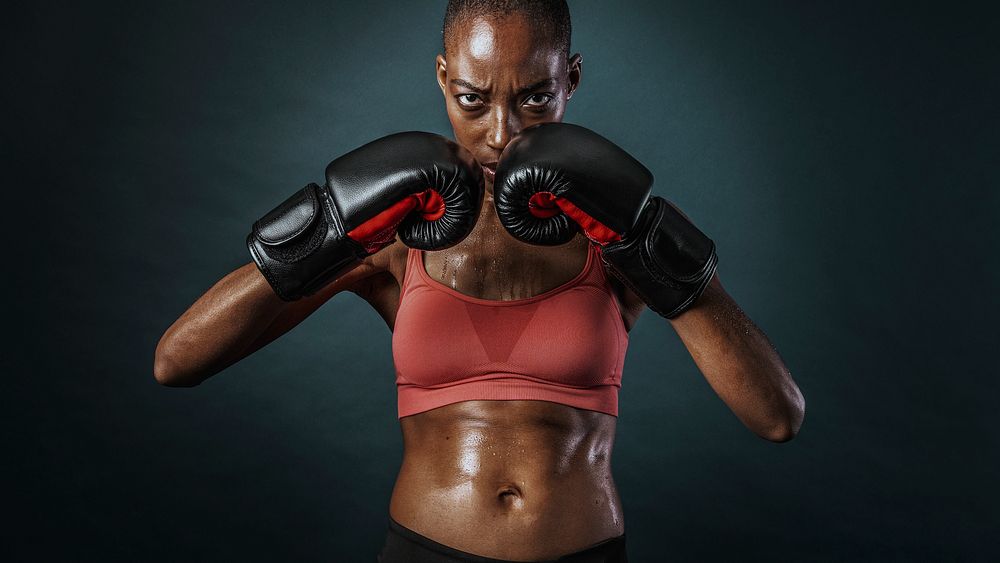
x: 549, y: 16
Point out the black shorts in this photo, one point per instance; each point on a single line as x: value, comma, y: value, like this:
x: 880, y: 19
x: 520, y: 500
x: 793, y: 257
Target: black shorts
x: 403, y: 545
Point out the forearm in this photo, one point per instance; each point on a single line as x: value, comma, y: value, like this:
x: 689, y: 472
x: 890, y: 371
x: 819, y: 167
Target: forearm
x: 217, y: 330
x: 741, y: 365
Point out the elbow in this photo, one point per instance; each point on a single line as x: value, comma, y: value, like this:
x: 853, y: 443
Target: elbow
x: 168, y: 372
x: 780, y: 434
x: 789, y: 425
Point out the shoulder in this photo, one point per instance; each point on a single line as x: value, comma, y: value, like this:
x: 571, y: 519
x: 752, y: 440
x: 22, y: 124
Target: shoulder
x: 391, y: 259
x: 631, y: 305
x: 385, y: 267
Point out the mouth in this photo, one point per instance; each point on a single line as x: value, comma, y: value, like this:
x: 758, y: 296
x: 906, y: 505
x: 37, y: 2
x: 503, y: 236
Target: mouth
x: 490, y: 170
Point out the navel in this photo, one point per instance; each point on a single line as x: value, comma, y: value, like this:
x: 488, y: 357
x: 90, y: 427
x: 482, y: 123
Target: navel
x: 510, y: 496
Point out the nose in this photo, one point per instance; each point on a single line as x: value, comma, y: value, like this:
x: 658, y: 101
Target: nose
x: 501, y: 129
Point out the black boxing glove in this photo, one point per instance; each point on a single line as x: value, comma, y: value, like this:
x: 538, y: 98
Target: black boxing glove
x: 554, y: 179
x: 420, y: 185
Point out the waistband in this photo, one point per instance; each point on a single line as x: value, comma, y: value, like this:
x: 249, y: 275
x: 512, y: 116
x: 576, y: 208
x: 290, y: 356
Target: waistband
x: 405, y: 545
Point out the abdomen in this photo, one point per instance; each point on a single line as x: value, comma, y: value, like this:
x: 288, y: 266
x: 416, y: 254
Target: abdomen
x: 521, y: 480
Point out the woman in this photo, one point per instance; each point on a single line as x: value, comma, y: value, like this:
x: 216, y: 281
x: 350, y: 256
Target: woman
x: 488, y: 479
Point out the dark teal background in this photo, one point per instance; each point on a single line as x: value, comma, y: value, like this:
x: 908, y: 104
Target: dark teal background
x: 842, y: 155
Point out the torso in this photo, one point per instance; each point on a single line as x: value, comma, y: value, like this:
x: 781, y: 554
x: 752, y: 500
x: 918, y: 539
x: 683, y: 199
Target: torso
x: 518, y: 480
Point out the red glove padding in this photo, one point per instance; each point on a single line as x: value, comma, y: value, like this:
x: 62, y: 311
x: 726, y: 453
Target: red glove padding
x: 380, y: 231
x: 546, y: 204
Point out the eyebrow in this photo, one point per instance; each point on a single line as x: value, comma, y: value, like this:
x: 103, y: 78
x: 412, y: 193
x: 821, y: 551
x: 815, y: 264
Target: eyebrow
x: 528, y: 88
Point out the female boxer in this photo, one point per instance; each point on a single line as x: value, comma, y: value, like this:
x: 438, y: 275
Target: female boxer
x: 510, y: 293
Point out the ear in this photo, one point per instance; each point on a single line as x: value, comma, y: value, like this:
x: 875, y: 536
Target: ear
x: 575, y: 73
x: 441, y: 70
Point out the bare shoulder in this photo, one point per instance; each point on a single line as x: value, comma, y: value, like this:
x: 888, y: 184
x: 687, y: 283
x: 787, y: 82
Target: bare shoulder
x: 385, y: 270
x: 381, y: 287
x: 390, y: 260
x: 631, y: 304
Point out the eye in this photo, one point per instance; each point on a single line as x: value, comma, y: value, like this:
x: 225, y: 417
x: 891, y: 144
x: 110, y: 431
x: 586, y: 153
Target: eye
x: 537, y: 101
x: 469, y: 101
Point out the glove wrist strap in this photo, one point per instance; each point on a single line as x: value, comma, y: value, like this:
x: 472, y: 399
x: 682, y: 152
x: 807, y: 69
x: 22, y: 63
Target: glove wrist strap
x: 664, y: 259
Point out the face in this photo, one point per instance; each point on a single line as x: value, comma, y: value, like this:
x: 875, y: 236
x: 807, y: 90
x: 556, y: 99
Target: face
x: 499, y: 77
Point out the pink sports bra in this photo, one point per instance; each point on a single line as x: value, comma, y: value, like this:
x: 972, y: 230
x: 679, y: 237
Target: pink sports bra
x: 566, y: 345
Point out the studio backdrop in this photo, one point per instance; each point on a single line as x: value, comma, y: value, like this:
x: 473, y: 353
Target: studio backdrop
x: 842, y: 155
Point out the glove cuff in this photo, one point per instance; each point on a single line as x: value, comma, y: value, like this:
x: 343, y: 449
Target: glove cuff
x: 300, y: 245
x: 665, y: 259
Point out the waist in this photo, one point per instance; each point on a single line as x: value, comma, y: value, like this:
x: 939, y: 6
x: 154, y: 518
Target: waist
x: 532, y: 477
x: 404, y: 544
